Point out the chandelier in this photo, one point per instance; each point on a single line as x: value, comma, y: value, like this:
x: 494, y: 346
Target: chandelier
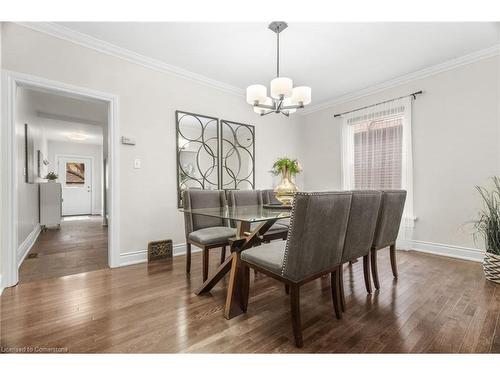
x: 284, y: 98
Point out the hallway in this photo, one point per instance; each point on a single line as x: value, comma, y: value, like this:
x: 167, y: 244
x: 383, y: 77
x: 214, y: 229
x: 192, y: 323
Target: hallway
x: 80, y: 245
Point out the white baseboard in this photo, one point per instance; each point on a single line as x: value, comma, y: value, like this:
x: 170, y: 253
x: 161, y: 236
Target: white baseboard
x: 27, y: 244
x: 141, y: 256
x: 452, y: 251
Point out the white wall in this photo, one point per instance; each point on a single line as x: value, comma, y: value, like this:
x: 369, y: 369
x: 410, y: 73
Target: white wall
x: 27, y: 205
x: 455, y: 146
x: 85, y: 150
x: 148, y: 100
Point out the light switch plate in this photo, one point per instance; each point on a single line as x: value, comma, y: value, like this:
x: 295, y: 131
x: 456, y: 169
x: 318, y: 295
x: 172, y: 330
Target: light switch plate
x: 128, y: 141
x: 137, y: 163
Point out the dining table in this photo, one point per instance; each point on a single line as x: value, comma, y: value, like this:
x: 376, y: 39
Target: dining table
x: 251, y: 223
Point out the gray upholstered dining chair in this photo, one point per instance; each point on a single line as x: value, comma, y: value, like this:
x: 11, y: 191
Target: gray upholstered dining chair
x: 269, y: 197
x: 313, y: 249
x: 203, y: 231
x: 363, y: 216
x: 237, y: 198
x: 386, y: 232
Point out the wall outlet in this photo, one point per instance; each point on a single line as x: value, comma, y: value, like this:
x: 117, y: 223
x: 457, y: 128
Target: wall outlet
x: 137, y: 163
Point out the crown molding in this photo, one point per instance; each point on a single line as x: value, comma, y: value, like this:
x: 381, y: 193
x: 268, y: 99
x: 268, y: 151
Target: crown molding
x: 84, y: 40
x: 423, y: 73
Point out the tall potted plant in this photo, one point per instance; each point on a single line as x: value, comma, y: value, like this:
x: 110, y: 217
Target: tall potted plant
x: 488, y: 226
x: 288, y: 168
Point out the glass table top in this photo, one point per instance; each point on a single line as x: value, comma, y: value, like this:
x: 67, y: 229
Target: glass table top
x: 251, y: 214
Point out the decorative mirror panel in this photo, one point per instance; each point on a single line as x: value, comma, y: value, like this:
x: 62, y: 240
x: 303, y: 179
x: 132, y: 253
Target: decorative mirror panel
x: 237, y: 156
x: 213, y: 154
x: 197, y: 152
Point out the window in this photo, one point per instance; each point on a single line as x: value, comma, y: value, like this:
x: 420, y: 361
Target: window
x: 378, y: 154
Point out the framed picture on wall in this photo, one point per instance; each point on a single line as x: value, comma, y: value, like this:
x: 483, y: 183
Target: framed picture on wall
x: 29, y: 157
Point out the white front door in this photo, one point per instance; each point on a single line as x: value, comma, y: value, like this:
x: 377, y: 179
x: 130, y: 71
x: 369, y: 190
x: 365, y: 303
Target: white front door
x: 75, y: 175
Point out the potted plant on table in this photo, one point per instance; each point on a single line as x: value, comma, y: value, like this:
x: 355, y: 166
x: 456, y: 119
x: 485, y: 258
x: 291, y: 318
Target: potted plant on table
x: 488, y: 226
x: 288, y: 168
x: 51, y: 177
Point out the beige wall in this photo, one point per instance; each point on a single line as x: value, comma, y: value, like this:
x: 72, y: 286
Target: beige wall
x: 455, y: 147
x: 148, y: 99
x: 27, y: 204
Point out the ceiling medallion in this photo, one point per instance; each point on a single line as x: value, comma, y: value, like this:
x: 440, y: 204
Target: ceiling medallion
x: 284, y: 98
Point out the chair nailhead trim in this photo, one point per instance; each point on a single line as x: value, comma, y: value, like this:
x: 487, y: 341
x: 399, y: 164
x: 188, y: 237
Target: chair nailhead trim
x: 290, y: 228
x: 285, y: 257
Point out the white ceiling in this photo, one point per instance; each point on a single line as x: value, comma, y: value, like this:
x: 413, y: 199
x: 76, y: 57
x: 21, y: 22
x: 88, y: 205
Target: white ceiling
x: 60, y: 116
x: 335, y: 59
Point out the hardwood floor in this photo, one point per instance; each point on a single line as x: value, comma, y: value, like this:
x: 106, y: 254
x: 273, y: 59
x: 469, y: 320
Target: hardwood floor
x: 80, y: 245
x: 438, y: 305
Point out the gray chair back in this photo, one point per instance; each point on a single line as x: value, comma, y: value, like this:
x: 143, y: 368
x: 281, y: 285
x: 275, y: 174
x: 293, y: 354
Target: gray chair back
x: 236, y: 198
x: 389, y: 218
x: 317, y: 233
x: 363, y: 217
x: 269, y: 197
x: 196, y: 199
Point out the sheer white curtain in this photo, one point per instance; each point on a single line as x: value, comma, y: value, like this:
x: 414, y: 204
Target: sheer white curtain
x: 377, y: 153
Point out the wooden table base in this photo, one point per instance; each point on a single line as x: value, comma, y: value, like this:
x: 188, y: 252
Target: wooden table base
x: 232, y: 263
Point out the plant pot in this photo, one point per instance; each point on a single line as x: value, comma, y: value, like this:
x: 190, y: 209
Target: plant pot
x: 491, y: 266
x: 51, y: 181
x: 286, y: 189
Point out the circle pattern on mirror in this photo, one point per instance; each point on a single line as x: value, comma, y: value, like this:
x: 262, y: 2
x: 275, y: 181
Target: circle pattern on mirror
x: 237, y: 156
x: 197, y: 152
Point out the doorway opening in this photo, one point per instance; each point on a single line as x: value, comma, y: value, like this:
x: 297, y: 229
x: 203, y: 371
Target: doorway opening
x: 63, y: 152
x: 48, y: 229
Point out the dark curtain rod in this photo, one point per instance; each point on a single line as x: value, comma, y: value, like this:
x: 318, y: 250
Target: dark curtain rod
x: 414, y: 94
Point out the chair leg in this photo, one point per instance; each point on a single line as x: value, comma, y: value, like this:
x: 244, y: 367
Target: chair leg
x: 188, y: 257
x: 245, y: 286
x: 222, y: 254
x: 205, y: 263
x: 287, y: 289
x: 375, y: 269
x: 295, y: 310
x: 341, y: 287
x: 394, y: 265
x: 334, y: 284
x: 366, y: 272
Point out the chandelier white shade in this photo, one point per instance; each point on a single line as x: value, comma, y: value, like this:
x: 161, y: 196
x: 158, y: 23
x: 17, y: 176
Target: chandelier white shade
x: 256, y: 93
x: 281, y: 87
x: 301, y: 94
x: 284, y: 98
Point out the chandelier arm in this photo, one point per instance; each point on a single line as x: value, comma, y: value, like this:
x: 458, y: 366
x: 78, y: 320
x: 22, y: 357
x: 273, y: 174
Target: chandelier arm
x: 279, y: 106
x: 265, y: 106
x: 266, y: 113
x: 285, y: 113
x: 297, y: 106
